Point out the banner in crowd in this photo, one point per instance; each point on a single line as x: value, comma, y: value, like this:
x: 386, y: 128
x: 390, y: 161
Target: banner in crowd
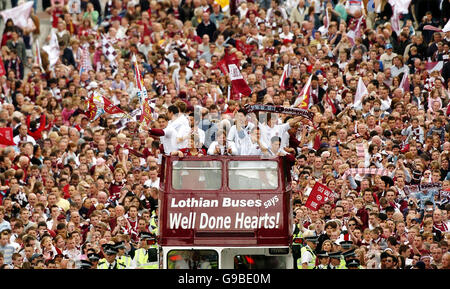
x: 280, y: 109
x: 413, y: 189
x: 366, y: 171
x: 319, y: 195
x: 18, y: 14
x: 6, y: 136
x: 223, y: 213
x: 361, y: 91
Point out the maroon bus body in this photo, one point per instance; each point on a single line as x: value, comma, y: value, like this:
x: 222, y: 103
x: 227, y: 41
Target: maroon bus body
x: 280, y: 235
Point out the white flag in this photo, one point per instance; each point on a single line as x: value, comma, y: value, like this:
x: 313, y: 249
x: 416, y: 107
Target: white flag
x: 18, y: 14
x: 52, y: 49
x: 361, y: 90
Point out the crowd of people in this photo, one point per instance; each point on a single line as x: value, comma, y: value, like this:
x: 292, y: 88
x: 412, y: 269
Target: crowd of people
x: 79, y: 192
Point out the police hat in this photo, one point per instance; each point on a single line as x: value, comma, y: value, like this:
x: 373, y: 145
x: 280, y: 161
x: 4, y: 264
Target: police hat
x: 120, y: 245
x: 93, y: 256
x: 146, y: 236
x: 313, y: 239
x: 353, y: 263
x: 85, y: 264
x: 349, y: 253
x: 335, y: 255
x: 110, y: 250
x: 346, y: 244
x: 323, y: 254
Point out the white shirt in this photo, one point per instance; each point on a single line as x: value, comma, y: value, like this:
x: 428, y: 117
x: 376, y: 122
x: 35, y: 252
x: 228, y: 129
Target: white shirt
x: 152, y: 184
x: 169, y: 140
x: 277, y: 130
x: 229, y: 145
x: 17, y: 139
x: 240, y: 138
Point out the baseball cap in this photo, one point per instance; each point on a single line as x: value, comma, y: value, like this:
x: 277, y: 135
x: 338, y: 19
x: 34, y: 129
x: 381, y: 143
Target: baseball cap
x: 388, y: 46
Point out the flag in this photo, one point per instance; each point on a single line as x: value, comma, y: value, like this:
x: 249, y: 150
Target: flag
x: 223, y: 4
x: 91, y: 109
x: 371, y: 6
x: 110, y: 108
x: 85, y: 64
x: 432, y: 28
x: 355, y: 33
x: 302, y: 100
x: 330, y: 103
x: 147, y: 111
x: 243, y: 47
x: 6, y: 136
x: 319, y: 195
x: 18, y: 14
x: 361, y: 90
x: 434, y: 66
x: 238, y: 83
x: 446, y: 27
x: 398, y: 7
x: 52, y: 49
x: 38, y: 55
x: 2, y: 67
x: 230, y: 58
x: 109, y: 51
x: 286, y: 74
x: 404, y: 84
x: 142, y: 91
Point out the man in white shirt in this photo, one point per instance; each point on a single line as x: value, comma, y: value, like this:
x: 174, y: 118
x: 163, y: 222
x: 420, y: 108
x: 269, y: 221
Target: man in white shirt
x: 153, y: 181
x: 221, y: 146
x: 23, y: 136
x: 387, y: 57
x: 167, y: 134
x: 271, y: 129
x: 240, y: 132
x: 181, y: 125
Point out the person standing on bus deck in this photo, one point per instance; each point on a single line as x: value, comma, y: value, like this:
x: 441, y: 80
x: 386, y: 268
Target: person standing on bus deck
x: 122, y: 257
x: 308, y: 257
x: 222, y: 146
x: 141, y: 256
x: 110, y: 262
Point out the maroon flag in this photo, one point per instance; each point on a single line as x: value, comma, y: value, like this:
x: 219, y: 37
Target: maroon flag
x: 404, y: 84
x: 110, y: 108
x: 6, y: 136
x: 244, y: 48
x: 319, y: 195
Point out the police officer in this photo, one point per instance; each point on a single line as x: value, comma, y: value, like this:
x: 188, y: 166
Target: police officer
x: 324, y: 259
x: 335, y: 260
x: 146, y: 257
x: 353, y: 264
x: 153, y: 227
x: 110, y: 262
x: 308, y: 257
x: 94, y: 258
x: 122, y: 256
x: 348, y: 255
x: 85, y: 264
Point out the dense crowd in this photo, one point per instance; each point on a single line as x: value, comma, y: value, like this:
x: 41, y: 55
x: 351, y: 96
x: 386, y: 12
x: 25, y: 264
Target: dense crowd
x: 79, y: 192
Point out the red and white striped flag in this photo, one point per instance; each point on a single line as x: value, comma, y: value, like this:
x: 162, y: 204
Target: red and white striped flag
x: 404, y: 84
x: 434, y: 66
x: 355, y: 33
x: 85, y: 64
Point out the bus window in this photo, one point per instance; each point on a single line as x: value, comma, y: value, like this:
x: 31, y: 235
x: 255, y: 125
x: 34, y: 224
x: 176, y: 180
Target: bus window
x: 192, y: 259
x: 259, y: 262
x: 196, y: 175
x: 253, y: 175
